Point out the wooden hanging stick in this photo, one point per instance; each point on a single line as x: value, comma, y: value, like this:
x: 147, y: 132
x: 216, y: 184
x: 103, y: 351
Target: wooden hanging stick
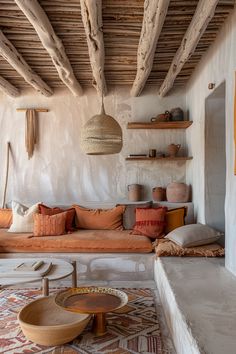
x: 36, y: 109
x: 6, y: 178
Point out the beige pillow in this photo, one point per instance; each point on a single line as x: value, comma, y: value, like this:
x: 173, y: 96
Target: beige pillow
x: 193, y: 235
x: 23, y: 217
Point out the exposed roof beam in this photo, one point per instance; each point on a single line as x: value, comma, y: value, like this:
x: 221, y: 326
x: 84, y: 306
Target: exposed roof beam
x: 8, y: 88
x: 153, y: 19
x: 91, y: 11
x: 204, y: 12
x: 15, y: 59
x: 51, y: 42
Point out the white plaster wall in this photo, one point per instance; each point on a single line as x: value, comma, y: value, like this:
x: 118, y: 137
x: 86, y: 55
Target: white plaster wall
x: 59, y: 172
x: 217, y: 65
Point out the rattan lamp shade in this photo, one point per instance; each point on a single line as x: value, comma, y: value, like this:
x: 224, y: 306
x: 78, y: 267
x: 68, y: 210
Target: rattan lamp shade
x: 101, y: 135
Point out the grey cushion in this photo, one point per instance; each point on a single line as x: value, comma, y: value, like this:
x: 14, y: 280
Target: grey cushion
x: 129, y: 214
x: 194, y: 235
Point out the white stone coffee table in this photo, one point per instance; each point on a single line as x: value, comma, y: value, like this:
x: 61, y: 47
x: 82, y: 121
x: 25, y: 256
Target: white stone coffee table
x: 60, y: 269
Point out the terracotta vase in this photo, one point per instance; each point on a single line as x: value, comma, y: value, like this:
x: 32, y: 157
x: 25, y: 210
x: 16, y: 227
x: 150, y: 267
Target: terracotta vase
x: 158, y: 194
x: 177, y: 192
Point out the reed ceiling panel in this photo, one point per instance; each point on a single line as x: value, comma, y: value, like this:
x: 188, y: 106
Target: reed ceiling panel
x: 122, y: 23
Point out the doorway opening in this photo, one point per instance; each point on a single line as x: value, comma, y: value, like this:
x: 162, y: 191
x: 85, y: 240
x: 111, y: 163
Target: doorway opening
x: 215, y: 159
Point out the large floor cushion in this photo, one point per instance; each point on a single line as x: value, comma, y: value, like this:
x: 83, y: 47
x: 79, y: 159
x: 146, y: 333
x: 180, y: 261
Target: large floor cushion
x: 79, y: 241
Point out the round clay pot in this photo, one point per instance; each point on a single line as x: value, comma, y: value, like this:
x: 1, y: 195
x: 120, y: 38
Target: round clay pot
x: 158, y: 194
x: 177, y: 114
x: 177, y: 192
x: 135, y: 192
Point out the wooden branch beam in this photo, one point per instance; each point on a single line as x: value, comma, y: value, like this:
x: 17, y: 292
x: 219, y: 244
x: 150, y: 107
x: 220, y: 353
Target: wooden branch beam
x: 8, y: 88
x: 153, y: 19
x: 91, y: 11
x: 14, y: 58
x: 204, y: 12
x: 51, y: 42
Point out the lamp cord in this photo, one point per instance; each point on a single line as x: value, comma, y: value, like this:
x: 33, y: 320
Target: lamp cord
x: 102, y: 106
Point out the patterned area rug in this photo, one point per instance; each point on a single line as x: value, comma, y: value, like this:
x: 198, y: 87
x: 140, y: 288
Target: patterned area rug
x: 133, y: 329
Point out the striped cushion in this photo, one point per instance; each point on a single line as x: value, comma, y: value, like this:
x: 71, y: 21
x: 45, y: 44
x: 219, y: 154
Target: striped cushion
x: 46, y: 225
x: 150, y: 222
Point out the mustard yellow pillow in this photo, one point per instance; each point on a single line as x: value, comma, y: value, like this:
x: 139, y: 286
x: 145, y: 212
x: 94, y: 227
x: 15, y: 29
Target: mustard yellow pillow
x: 175, y: 218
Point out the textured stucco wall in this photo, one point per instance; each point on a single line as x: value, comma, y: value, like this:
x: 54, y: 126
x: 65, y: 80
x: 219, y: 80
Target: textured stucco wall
x: 217, y: 65
x: 60, y: 172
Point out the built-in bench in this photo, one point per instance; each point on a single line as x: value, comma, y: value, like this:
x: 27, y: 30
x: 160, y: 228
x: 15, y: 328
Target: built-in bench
x: 199, y: 301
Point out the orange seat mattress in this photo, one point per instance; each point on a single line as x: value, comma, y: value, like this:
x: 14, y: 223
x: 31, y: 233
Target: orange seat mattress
x: 81, y: 241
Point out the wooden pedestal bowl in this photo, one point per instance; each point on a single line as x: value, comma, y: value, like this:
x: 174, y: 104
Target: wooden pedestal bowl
x: 45, y: 323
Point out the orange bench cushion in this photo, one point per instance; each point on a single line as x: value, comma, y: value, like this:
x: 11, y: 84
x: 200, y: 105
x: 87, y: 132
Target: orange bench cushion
x: 80, y: 241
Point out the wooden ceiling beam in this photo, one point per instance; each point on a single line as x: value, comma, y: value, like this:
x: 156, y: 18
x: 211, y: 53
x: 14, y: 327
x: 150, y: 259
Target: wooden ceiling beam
x: 51, y: 42
x: 15, y: 59
x: 91, y: 11
x: 8, y: 88
x: 153, y: 19
x: 204, y: 12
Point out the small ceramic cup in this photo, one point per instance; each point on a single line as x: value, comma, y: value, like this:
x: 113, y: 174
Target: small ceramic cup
x: 152, y: 153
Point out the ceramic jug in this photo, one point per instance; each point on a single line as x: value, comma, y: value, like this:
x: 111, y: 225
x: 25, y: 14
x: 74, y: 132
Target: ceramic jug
x: 173, y: 149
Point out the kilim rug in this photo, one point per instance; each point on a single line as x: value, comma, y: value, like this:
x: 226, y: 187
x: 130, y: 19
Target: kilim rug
x: 133, y: 329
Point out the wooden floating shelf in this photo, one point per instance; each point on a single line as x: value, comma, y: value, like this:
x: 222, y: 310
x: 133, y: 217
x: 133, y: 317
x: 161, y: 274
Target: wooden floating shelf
x: 178, y: 158
x: 160, y: 125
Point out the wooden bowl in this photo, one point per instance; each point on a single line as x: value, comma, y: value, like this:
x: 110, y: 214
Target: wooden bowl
x: 45, y: 323
x: 91, y: 299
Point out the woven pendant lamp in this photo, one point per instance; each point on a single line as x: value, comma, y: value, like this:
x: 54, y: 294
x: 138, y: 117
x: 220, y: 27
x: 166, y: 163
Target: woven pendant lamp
x: 101, y: 135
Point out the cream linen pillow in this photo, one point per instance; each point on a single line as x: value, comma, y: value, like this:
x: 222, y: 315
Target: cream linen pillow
x: 193, y: 235
x: 23, y: 217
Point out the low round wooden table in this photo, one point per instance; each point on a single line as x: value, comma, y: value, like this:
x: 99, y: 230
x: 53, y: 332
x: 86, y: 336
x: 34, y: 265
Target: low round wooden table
x: 92, y: 300
x: 59, y: 269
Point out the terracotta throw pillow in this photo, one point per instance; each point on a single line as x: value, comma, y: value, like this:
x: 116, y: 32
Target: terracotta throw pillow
x: 99, y: 219
x: 175, y: 218
x: 5, y: 218
x: 129, y: 213
x: 45, y: 210
x: 150, y: 222
x: 49, y: 225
